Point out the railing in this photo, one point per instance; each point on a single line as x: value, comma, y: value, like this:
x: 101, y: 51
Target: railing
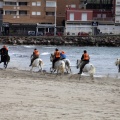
x: 103, y: 19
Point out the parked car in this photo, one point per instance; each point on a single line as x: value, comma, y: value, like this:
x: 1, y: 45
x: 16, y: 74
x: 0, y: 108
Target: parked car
x: 40, y: 33
x: 31, y: 33
x: 49, y: 33
x: 83, y: 34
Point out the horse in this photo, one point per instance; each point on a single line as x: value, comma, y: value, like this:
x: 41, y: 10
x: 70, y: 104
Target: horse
x: 88, y: 68
x: 67, y: 65
x: 59, y: 65
x: 117, y: 63
x: 37, y: 63
x: 6, y: 60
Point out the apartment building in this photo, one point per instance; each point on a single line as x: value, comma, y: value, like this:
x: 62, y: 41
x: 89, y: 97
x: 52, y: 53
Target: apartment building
x: 1, y: 12
x: 21, y: 16
x: 105, y: 17
x: 117, y: 12
x: 61, y: 9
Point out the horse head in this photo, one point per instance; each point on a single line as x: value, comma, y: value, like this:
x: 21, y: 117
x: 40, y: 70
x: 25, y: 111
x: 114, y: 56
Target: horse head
x: 78, y: 63
x: 51, y: 57
x: 117, y: 62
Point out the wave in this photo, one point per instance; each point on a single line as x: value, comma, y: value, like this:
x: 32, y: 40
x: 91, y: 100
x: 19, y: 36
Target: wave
x: 29, y: 46
x: 19, y: 55
x: 45, y: 53
x: 50, y: 47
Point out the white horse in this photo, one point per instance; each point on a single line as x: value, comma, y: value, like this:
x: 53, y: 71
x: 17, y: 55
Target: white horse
x: 67, y: 65
x: 59, y: 65
x: 88, y: 68
x: 37, y: 63
x: 117, y: 63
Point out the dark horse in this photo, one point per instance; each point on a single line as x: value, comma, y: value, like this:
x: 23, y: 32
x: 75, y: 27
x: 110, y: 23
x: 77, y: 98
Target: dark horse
x: 5, y: 59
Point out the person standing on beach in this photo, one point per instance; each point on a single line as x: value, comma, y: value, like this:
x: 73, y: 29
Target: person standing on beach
x: 34, y: 56
x: 85, y: 60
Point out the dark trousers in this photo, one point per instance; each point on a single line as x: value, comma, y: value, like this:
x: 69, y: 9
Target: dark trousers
x: 82, y: 65
x: 35, y: 57
x: 53, y: 63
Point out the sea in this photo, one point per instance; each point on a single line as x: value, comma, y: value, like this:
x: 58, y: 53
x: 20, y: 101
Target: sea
x: 103, y: 58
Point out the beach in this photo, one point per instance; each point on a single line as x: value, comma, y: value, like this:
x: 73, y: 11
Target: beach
x: 26, y: 95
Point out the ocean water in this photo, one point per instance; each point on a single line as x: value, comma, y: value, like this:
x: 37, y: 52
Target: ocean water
x: 103, y: 58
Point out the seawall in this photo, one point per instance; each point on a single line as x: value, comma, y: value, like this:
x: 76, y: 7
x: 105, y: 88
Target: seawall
x: 62, y: 40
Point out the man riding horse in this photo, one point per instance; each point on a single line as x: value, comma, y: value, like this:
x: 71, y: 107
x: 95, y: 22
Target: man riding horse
x: 85, y: 60
x: 4, y: 55
x: 56, y: 57
x: 34, y: 56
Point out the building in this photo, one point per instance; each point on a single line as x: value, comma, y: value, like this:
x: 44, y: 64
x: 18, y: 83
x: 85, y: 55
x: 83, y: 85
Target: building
x: 46, y: 16
x: 21, y: 16
x: 117, y: 12
x: 78, y: 21
x: 103, y: 13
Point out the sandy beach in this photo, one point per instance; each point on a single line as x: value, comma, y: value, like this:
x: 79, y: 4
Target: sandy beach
x: 43, y: 96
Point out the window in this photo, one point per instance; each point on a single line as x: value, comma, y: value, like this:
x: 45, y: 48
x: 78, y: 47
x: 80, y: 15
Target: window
x: 10, y: 3
x: 33, y: 13
x: 50, y: 13
x: 50, y: 4
x: 23, y: 3
x: 73, y: 6
x: 22, y: 12
x: 36, y: 13
x: 33, y: 3
x: 71, y: 16
x: 38, y: 3
x: 10, y: 12
x: 84, y: 16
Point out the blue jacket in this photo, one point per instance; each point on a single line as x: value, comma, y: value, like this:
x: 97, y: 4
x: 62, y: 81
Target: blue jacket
x: 62, y: 56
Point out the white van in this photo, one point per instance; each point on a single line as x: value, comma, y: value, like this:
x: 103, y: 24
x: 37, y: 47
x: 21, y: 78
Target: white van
x: 32, y: 33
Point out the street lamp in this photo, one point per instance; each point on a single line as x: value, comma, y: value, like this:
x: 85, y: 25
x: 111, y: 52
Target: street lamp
x: 55, y: 21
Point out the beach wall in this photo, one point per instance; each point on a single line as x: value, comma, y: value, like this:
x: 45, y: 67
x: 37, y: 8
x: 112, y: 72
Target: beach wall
x: 62, y: 40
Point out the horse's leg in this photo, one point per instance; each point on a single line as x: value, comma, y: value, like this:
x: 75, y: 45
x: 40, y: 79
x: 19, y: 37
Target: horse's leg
x: 31, y: 69
x: 119, y: 68
x: 67, y: 67
x: 79, y: 76
x: 5, y: 64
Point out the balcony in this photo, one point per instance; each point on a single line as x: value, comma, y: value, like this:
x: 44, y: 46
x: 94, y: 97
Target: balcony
x: 50, y: 9
x: 16, y: 8
x: 16, y: 18
x: 103, y: 19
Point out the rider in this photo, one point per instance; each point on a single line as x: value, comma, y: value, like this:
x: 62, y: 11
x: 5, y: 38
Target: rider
x: 34, y: 56
x: 85, y: 60
x: 4, y: 53
x: 62, y: 55
x: 57, y: 57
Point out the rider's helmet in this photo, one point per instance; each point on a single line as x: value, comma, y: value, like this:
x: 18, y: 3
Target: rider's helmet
x: 85, y: 51
x: 4, y: 46
x: 56, y: 49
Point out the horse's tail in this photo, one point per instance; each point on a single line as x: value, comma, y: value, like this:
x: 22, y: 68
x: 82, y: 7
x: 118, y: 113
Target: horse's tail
x: 41, y: 62
x: 67, y: 63
x: 92, y: 69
